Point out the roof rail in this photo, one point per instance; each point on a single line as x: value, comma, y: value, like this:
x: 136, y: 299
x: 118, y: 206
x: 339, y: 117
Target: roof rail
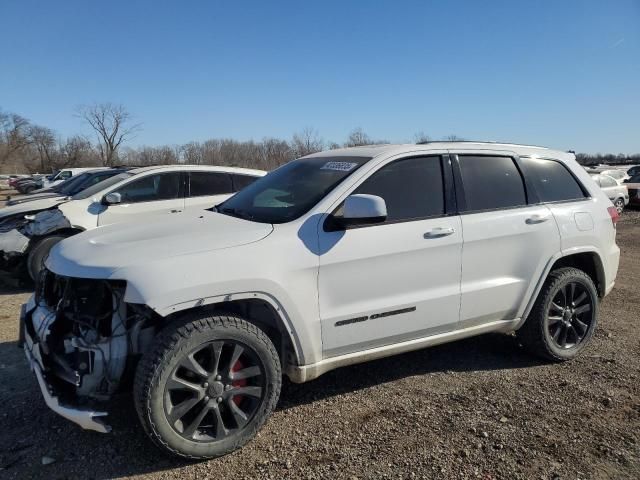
x: 486, y: 142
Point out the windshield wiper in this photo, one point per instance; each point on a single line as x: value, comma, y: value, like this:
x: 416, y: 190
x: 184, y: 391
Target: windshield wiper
x: 234, y: 212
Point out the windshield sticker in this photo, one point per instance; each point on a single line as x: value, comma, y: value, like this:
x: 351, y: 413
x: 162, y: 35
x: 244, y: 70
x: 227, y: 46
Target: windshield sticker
x: 339, y: 166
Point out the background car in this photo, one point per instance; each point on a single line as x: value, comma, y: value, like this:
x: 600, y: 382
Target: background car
x: 25, y: 240
x: 633, y: 187
x: 62, y: 175
x: 633, y: 171
x: 70, y: 187
x: 617, y: 193
x: 617, y: 174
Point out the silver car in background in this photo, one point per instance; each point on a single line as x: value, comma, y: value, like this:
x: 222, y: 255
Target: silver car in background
x: 616, y: 192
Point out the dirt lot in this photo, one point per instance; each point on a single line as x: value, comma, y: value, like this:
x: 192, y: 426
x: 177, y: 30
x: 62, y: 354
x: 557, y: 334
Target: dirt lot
x: 479, y: 408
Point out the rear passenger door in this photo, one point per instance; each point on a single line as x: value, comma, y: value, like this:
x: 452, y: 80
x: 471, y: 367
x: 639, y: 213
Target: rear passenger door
x: 569, y: 201
x: 206, y: 189
x: 508, y: 236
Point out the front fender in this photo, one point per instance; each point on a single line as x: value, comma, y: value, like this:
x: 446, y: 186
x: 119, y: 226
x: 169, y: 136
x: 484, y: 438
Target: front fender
x: 230, y: 297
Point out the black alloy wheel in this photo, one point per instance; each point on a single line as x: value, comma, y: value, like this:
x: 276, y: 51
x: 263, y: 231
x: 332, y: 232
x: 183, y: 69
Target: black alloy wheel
x: 570, y: 315
x: 214, y: 391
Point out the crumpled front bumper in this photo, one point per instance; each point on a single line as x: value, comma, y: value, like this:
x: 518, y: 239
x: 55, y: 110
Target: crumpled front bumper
x: 88, y: 419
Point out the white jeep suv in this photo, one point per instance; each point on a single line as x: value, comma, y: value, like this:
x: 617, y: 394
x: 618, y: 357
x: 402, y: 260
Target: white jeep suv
x: 332, y: 259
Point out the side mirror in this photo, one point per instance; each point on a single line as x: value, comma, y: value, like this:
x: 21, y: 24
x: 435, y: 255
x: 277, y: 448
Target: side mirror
x: 360, y: 209
x: 112, y: 198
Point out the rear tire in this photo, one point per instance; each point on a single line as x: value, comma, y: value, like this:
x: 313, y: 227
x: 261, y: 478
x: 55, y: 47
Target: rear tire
x: 39, y: 253
x: 564, y: 316
x: 207, y: 385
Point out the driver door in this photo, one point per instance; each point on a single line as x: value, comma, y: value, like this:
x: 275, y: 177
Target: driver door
x: 400, y: 279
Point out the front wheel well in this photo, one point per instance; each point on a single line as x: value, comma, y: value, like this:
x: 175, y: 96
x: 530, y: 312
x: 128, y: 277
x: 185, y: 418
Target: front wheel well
x: 262, y: 314
x: 590, y: 263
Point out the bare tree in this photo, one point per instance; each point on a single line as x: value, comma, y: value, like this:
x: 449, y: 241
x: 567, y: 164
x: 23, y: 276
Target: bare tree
x: 453, y: 138
x: 421, y: 137
x: 357, y: 137
x: 306, y: 142
x: 77, y: 151
x: 112, y: 124
x: 44, y: 140
x: 14, y: 135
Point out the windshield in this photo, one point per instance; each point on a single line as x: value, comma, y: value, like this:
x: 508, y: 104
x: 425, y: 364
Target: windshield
x: 292, y: 190
x: 68, y: 187
x: 100, y: 186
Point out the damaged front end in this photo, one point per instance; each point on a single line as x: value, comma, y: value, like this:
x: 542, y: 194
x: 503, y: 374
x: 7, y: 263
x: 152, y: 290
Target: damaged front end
x: 83, y: 341
x: 18, y: 231
x: 13, y: 242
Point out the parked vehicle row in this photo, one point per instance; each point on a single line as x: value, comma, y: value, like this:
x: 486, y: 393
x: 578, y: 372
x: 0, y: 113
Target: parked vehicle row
x: 29, y: 229
x: 617, y: 192
x: 633, y: 188
x: 336, y: 258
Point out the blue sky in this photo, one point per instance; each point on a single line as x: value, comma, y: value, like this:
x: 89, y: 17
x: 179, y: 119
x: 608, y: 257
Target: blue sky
x: 564, y: 74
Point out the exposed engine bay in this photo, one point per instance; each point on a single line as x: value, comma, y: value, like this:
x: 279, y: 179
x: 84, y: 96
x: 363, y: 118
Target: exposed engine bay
x: 84, y: 338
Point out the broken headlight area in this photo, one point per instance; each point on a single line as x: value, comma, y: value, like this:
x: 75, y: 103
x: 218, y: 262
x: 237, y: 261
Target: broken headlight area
x: 13, y: 222
x: 88, y: 339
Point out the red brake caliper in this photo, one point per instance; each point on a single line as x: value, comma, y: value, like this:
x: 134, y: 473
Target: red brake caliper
x: 238, y: 383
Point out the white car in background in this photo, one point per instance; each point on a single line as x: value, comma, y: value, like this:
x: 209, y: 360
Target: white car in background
x: 126, y: 197
x: 617, y: 174
x: 62, y: 175
x: 617, y: 193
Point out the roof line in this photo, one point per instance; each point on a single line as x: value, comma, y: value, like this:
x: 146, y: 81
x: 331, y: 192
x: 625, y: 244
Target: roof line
x: 480, y: 142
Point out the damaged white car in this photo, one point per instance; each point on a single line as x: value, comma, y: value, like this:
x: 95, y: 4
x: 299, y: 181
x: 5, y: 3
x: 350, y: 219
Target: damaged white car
x: 337, y: 258
x: 27, y: 237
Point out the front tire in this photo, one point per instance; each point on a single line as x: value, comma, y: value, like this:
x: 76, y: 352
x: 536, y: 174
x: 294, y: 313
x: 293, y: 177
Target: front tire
x: 207, y: 385
x: 39, y: 253
x: 564, y: 316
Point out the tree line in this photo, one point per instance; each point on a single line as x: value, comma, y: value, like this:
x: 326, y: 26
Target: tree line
x: 26, y: 147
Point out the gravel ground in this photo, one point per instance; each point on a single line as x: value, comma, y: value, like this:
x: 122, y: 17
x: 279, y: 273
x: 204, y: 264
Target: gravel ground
x: 479, y: 408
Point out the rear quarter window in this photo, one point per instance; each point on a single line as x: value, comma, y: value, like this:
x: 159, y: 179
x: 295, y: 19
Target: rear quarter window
x: 552, y: 180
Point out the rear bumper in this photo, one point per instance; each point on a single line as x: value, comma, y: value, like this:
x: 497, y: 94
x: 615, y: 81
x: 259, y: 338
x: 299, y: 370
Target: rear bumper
x: 88, y: 419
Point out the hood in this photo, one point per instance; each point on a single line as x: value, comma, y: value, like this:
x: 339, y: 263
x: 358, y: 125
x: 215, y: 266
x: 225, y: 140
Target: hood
x: 98, y: 253
x: 28, y: 207
x: 32, y: 197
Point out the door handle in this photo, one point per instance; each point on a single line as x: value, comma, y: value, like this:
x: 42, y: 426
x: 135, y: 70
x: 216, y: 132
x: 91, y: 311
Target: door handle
x: 175, y: 211
x: 439, y: 232
x: 537, y: 218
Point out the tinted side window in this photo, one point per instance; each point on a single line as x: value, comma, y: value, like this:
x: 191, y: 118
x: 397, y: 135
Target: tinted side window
x: 241, y: 181
x: 552, y: 180
x: 411, y: 188
x: 162, y: 186
x: 491, y: 183
x: 208, y: 183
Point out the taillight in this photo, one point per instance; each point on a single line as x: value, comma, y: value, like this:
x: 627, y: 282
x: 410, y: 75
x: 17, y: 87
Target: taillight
x: 613, y: 213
